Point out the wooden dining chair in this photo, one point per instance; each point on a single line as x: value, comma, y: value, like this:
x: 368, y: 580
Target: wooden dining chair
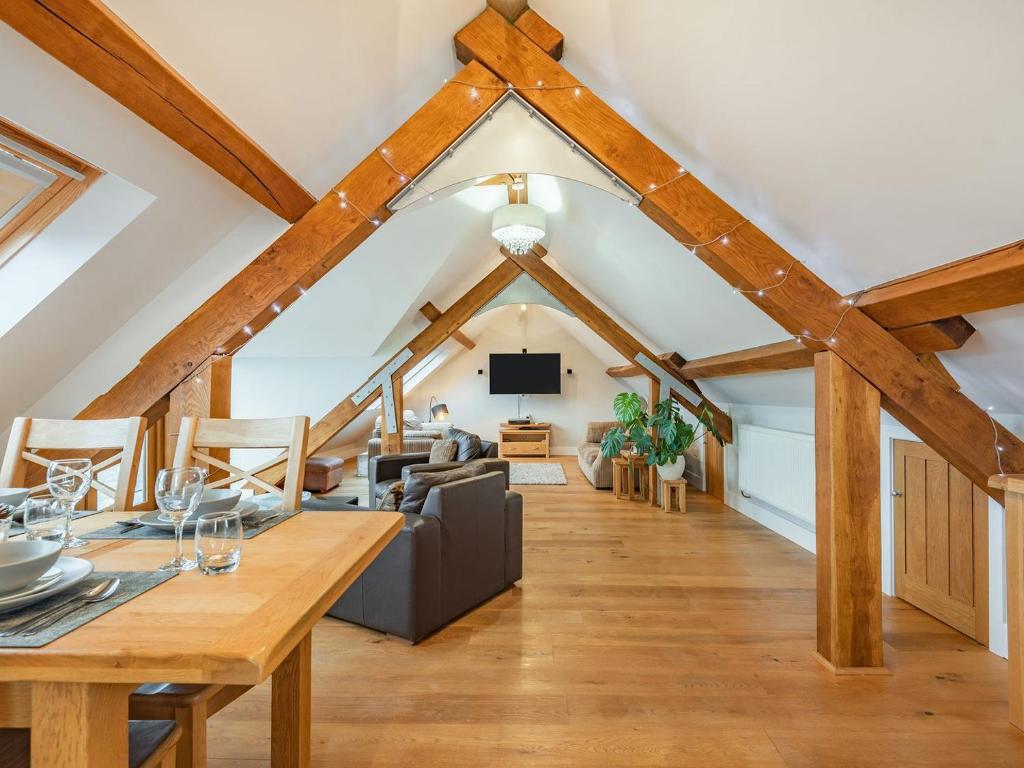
x: 198, y: 435
x: 192, y: 705
x: 28, y: 436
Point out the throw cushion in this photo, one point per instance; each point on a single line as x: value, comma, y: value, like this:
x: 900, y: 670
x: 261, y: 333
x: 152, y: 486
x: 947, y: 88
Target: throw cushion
x: 443, y: 451
x: 469, y: 444
x: 392, y: 498
x: 419, y: 484
x: 596, y: 430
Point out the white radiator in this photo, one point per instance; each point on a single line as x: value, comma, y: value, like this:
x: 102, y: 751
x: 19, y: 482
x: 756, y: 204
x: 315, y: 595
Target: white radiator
x: 777, y: 467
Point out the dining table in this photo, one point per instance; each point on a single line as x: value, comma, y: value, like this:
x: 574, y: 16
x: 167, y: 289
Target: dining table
x: 235, y: 628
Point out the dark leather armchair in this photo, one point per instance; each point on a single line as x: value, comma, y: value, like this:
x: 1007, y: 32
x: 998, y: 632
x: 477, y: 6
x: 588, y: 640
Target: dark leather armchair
x: 463, y: 548
x: 382, y: 471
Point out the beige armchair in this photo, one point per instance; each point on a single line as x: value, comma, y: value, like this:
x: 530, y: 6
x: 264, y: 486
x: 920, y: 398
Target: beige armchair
x: 595, y: 467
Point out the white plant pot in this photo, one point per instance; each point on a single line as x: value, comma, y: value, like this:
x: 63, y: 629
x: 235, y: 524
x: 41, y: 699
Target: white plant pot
x: 674, y: 470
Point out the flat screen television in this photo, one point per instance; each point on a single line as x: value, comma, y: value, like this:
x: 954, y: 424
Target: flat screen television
x: 526, y: 374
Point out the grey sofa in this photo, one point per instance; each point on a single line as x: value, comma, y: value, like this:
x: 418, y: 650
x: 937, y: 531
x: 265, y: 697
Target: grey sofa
x: 465, y: 547
x: 595, y: 467
x: 382, y: 471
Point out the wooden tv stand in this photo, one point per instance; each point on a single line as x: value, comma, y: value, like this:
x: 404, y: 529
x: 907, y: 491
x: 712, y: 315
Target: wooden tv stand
x: 524, y: 440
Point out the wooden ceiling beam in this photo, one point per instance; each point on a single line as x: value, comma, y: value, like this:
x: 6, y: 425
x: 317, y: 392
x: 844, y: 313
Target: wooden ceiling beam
x: 510, y: 10
x: 781, y: 356
x: 609, y: 330
x: 628, y: 371
x: 425, y: 342
x: 305, y: 252
x: 924, y: 339
x: 985, y: 281
x: 950, y: 423
x: 87, y: 37
x: 536, y: 28
x: 432, y: 313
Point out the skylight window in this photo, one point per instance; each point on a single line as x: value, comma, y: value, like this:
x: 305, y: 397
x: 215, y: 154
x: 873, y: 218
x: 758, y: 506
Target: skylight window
x: 38, y: 182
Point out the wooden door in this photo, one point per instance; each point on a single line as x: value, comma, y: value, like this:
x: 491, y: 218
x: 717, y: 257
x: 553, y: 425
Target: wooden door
x: 941, y: 539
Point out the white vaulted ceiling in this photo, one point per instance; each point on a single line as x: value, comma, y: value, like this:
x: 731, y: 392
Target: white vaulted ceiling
x: 871, y: 139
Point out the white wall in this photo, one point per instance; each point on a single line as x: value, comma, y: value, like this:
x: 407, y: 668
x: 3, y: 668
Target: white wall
x: 586, y: 395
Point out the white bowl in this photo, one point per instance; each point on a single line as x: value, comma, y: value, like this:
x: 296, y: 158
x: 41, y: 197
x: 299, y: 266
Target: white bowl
x: 218, y: 500
x: 22, y: 562
x: 13, y: 496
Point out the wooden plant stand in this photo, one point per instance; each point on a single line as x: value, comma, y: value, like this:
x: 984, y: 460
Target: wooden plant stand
x: 670, y: 488
x: 631, y: 479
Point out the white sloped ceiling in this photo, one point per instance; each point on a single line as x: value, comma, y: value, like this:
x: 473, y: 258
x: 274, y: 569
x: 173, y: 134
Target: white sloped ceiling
x: 870, y: 139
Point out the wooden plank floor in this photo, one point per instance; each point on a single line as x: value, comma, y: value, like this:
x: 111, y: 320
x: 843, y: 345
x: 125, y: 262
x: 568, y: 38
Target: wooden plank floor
x: 641, y: 639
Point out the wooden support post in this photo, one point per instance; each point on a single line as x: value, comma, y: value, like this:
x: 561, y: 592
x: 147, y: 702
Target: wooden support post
x: 653, y: 483
x: 847, y: 433
x: 391, y: 441
x: 1013, y: 485
x: 206, y: 394
x: 714, y: 468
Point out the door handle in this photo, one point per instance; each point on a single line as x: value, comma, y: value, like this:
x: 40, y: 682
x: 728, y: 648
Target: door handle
x: 897, y: 493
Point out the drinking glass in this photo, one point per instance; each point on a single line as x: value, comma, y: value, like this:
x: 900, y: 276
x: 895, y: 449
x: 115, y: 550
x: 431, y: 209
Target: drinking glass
x: 44, y: 519
x: 69, y: 481
x: 178, y: 491
x: 218, y: 542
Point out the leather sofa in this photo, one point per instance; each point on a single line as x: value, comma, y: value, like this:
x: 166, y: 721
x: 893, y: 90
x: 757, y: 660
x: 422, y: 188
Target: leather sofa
x: 595, y: 467
x: 464, y: 547
x: 382, y: 471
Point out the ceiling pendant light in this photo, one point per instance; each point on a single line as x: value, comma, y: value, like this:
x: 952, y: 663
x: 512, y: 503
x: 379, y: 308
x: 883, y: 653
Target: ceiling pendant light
x: 518, y: 226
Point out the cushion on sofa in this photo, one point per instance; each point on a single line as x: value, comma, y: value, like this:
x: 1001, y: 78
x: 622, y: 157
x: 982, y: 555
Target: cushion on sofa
x: 443, y: 451
x: 597, y: 429
x: 589, y: 452
x: 392, y: 498
x: 419, y: 484
x: 469, y: 444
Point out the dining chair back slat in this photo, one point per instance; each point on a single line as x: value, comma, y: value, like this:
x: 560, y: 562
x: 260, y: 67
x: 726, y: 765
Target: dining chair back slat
x: 125, y: 436
x: 198, y: 435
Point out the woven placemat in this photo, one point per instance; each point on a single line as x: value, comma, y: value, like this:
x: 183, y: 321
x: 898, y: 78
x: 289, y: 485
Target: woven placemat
x: 133, y: 584
x: 264, y: 523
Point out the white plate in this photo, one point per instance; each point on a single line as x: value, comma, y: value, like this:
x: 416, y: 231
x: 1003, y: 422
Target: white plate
x: 152, y: 519
x: 74, y: 570
x: 48, y: 578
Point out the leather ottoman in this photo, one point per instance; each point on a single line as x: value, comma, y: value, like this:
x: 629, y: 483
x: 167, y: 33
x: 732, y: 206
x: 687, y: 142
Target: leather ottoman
x: 322, y: 473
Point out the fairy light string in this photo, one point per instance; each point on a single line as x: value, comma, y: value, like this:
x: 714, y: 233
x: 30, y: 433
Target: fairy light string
x: 830, y: 338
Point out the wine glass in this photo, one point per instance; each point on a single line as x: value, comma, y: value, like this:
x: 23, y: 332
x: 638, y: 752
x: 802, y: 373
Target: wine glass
x: 178, y: 491
x: 68, y: 481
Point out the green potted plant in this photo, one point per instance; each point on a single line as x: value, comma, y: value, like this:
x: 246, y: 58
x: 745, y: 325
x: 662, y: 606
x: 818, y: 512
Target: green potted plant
x: 671, y: 434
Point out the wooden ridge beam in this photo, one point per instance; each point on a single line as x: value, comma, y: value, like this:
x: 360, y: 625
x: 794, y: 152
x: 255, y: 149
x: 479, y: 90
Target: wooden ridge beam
x: 304, y: 253
x: 432, y: 313
x: 425, y: 342
x: 985, y: 281
x: 950, y: 423
x: 609, y: 330
x: 87, y: 37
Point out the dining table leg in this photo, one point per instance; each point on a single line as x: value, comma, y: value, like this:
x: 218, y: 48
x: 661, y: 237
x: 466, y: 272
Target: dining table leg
x: 80, y: 725
x: 291, y: 701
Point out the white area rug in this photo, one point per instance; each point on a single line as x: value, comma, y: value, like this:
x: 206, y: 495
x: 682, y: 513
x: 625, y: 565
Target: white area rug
x: 536, y: 474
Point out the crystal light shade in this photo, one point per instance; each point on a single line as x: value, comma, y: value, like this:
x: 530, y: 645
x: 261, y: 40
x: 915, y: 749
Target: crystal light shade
x: 518, y: 227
